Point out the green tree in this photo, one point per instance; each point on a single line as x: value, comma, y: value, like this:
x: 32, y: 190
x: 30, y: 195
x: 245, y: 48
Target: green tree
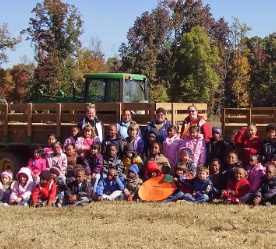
x: 55, y: 30
x: 195, y: 78
x: 6, y: 42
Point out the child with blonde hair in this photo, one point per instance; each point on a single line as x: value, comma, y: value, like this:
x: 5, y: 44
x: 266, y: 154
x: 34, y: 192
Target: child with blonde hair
x: 6, y: 186
x: 135, y: 139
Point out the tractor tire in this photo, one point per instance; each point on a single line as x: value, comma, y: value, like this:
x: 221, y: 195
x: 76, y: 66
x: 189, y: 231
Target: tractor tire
x: 10, y: 160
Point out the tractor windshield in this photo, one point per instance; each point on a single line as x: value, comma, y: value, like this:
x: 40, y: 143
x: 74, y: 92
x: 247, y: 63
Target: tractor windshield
x: 134, y: 91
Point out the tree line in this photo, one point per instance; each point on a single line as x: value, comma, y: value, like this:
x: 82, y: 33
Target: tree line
x: 187, y: 55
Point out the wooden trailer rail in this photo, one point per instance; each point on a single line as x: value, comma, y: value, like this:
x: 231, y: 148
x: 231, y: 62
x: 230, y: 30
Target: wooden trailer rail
x: 236, y: 118
x: 32, y: 123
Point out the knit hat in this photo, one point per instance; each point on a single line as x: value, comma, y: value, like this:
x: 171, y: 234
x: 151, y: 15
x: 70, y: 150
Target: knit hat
x: 187, y: 150
x: 7, y: 173
x: 134, y: 168
x: 46, y: 174
x: 129, y: 147
x: 216, y: 129
x: 55, y: 170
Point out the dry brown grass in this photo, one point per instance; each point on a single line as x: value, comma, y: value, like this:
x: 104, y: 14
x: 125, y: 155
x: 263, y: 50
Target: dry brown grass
x: 139, y: 225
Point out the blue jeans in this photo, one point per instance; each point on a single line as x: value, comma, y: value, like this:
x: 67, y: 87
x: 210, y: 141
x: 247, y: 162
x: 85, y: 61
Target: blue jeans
x: 198, y: 198
x: 24, y: 201
x: 175, y: 196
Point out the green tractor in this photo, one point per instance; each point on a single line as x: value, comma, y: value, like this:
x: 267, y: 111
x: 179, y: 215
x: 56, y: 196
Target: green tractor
x: 103, y: 88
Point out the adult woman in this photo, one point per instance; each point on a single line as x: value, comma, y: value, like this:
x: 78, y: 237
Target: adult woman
x: 194, y: 119
x: 91, y: 118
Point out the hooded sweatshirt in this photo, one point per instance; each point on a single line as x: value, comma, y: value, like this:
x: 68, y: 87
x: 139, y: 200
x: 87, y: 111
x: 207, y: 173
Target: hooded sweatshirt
x: 23, y: 191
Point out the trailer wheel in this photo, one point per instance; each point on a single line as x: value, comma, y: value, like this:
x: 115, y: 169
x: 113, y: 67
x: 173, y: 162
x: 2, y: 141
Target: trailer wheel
x: 9, y: 160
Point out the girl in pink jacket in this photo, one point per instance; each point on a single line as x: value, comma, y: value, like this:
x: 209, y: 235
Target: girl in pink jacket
x: 57, y: 159
x: 170, y: 145
x: 197, y: 144
x: 37, y: 163
x: 23, y: 188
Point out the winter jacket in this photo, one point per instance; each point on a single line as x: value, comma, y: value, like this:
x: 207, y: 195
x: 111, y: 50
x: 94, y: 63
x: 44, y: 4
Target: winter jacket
x: 60, y: 162
x: 170, y: 149
x: 162, y: 162
x: 199, y: 186
x: 96, y: 124
x: 5, y: 192
x: 93, y: 163
x: 108, y: 187
x: 252, y: 143
x: 73, y: 160
x: 239, y: 188
x: 138, y: 145
x: 130, y: 161
x: 255, y: 175
x: 69, y: 140
x: 73, y: 188
x: 37, y: 165
x: 162, y: 132
x: 190, y: 166
x: 267, y: 189
x: 198, y: 147
x: 118, y: 142
x: 266, y: 151
x: 83, y: 145
x: 182, y: 187
x: 23, y: 191
x: 112, y: 163
x: 44, y: 193
x: 216, y: 149
x: 122, y: 128
x: 204, y: 127
x: 132, y: 185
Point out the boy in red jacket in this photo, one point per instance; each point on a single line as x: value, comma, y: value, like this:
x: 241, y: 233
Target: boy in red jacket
x: 238, y: 189
x: 45, y: 192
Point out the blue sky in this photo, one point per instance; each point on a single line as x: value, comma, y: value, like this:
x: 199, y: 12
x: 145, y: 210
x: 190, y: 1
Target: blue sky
x: 109, y: 20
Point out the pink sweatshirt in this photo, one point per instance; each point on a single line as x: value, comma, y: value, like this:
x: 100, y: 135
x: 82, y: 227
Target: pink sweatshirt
x: 37, y: 165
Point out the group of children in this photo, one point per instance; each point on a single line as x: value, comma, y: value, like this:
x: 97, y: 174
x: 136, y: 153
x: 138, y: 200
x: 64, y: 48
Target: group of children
x: 89, y: 168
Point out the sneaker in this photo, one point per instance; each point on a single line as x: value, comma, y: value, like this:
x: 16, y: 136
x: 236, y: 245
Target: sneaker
x: 5, y: 204
x: 26, y: 205
x: 59, y: 205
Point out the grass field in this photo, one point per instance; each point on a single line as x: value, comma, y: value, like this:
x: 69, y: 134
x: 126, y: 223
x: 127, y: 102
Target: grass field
x: 139, y: 225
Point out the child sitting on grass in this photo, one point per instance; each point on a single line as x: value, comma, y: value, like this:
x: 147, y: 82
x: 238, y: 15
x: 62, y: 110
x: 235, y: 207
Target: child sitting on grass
x: 44, y: 192
x: 181, y: 173
x: 215, y: 175
x: 132, y: 183
x: 6, y: 186
x: 201, y: 185
x: 110, y: 187
x: 23, y: 188
x: 79, y: 191
x: 238, y: 190
x: 266, y: 193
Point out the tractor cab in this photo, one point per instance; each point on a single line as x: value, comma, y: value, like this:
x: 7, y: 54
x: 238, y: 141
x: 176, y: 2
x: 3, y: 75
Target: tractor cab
x: 115, y: 87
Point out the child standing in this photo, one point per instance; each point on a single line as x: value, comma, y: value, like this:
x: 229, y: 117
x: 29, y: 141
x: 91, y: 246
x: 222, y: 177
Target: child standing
x: 79, y: 191
x: 255, y: 173
x: 50, y: 140
x: 135, y: 139
x: 201, y: 185
x: 45, y: 192
x: 266, y: 193
x: 197, y: 144
x: 185, y: 157
x: 6, y: 186
x: 181, y: 173
x: 268, y: 146
x: 37, y: 163
x: 170, y: 145
x: 113, y: 138
x: 57, y: 159
x: 130, y: 157
x: 238, y: 190
x: 110, y: 187
x: 132, y: 183
x: 249, y: 141
x: 157, y: 156
x: 113, y: 161
x: 216, y: 148
x: 23, y: 188
x: 73, y: 138
x: 84, y: 142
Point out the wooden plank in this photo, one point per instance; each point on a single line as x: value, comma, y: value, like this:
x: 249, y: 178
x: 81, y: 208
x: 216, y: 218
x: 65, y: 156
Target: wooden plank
x: 17, y: 117
x: 58, y: 120
x: 43, y: 118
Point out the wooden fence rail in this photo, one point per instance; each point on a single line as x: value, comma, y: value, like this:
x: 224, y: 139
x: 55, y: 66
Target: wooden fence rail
x: 31, y: 123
